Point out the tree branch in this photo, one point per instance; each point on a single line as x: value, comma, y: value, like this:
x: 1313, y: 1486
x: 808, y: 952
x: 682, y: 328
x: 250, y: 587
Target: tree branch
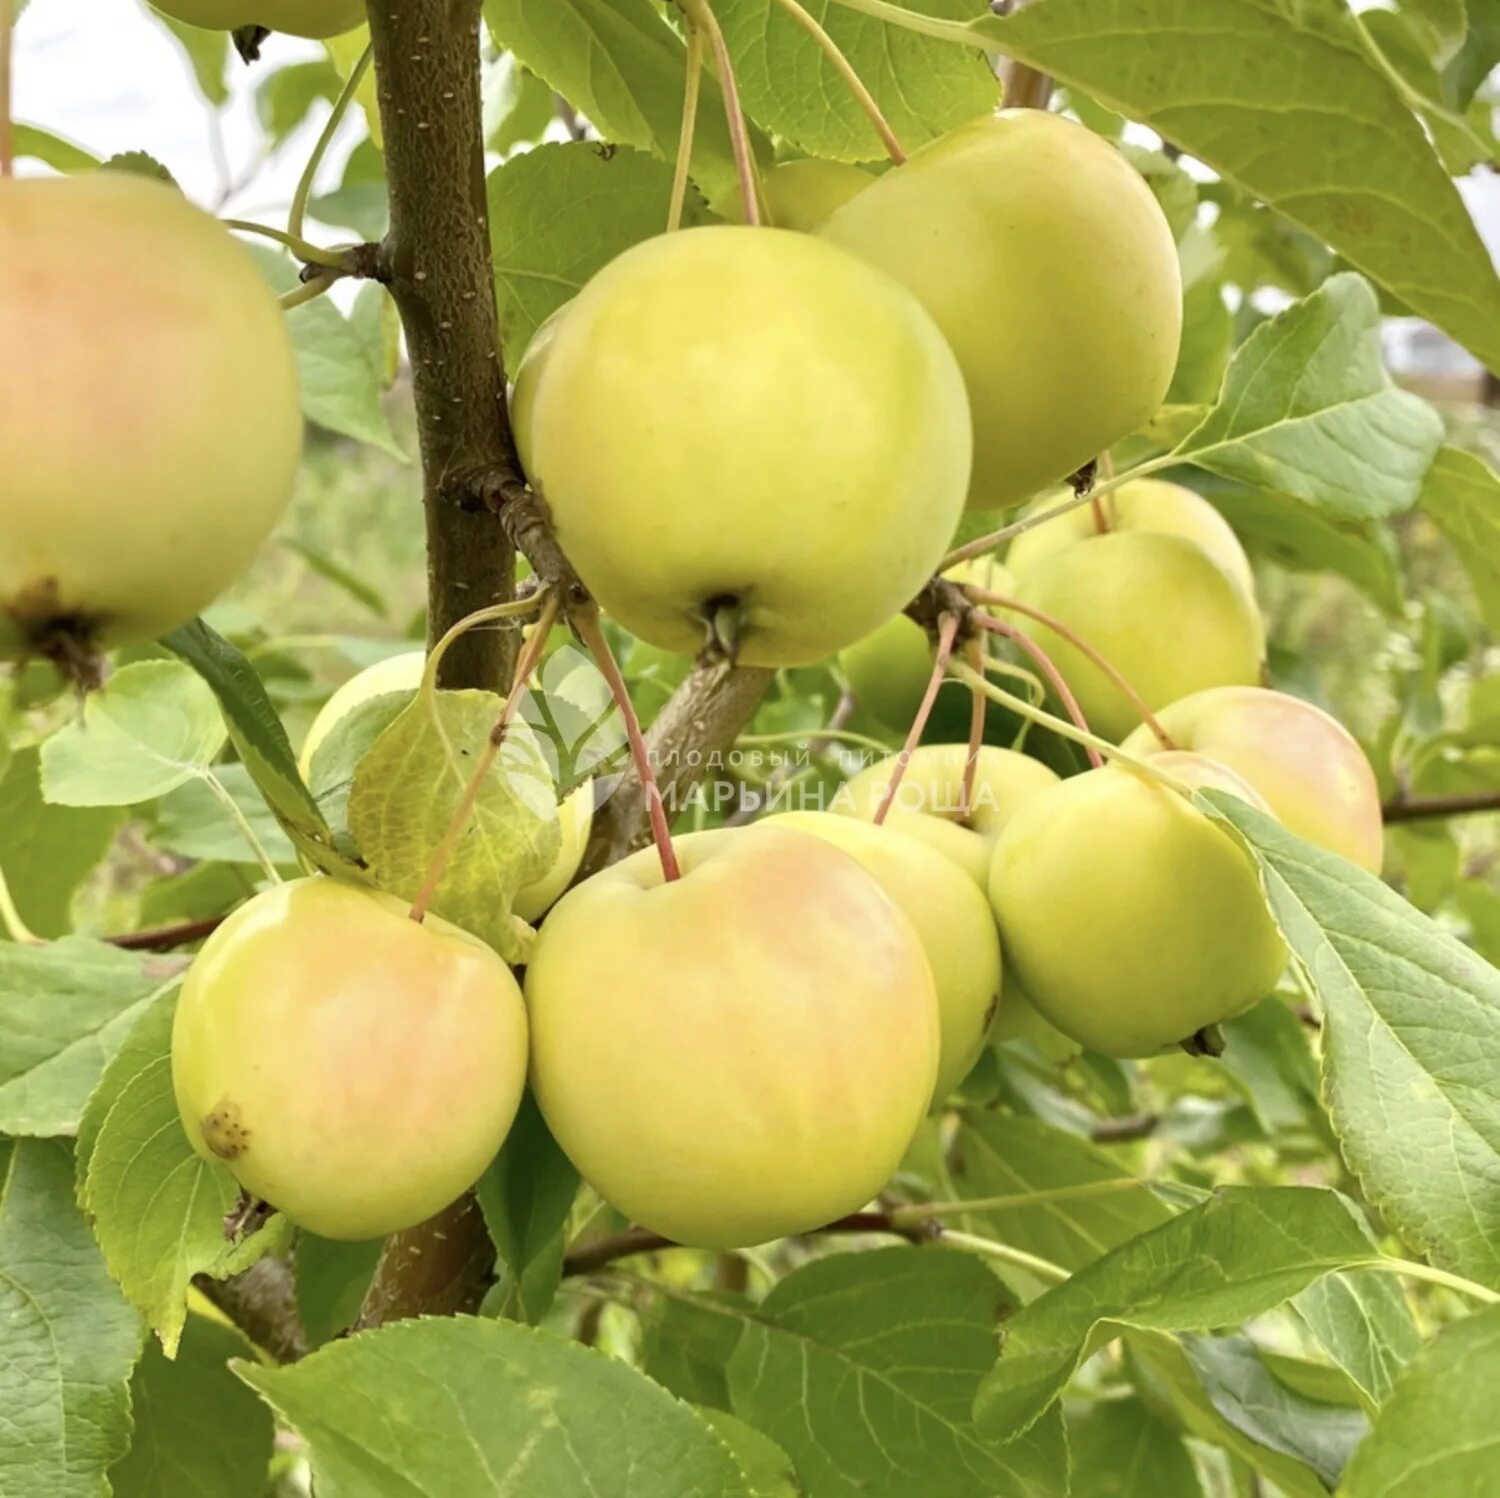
x: 436, y: 261
x: 262, y: 1302
x: 1421, y: 808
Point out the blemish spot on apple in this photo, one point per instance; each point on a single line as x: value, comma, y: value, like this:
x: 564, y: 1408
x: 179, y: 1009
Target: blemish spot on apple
x: 224, y: 1131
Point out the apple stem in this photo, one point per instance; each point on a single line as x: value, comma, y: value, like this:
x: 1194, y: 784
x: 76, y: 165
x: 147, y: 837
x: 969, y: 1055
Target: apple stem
x: 692, y: 86
x: 589, y: 631
x: 978, y: 649
x: 1101, y: 520
x: 298, y: 214
x: 309, y: 291
x: 494, y: 613
x: 700, y: 13
x: 947, y: 633
x: 851, y: 79
x: 981, y: 545
x: 1049, y: 670
x: 10, y: 918
x: 1050, y: 621
x: 530, y: 654
x: 924, y: 25
x: 309, y: 254
x: 7, y: 133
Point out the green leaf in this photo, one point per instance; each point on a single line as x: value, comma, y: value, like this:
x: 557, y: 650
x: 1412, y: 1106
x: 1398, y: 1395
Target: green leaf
x: 1436, y: 1435
x: 1281, y: 100
x: 526, y: 1196
x: 1241, y: 1253
x: 194, y: 822
x: 52, y: 150
x: 998, y: 1154
x: 207, y: 53
x: 199, y: 1432
x: 260, y: 741
x: 1308, y: 410
x: 331, y: 1279
x: 767, y: 1466
x: 863, y: 1368
x: 46, y: 852
x: 154, y: 726
x: 1302, y: 539
x: 518, y: 106
x: 1411, y: 1044
x: 560, y: 213
x: 622, y: 66
x: 1121, y: 1450
x: 65, y: 1009
x: 459, y: 1405
x: 157, y: 1207
x: 1268, y: 1057
x: 340, y: 386
x: 1248, y: 1395
x: 924, y: 87
x: 404, y: 796
x: 1207, y: 338
x: 687, y: 1343
x: 1363, y: 1322
x: 1462, y: 497
x: 285, y: 97
x: 70, y: 1339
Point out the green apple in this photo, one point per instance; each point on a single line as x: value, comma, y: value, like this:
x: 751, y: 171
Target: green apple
x: 349, y: 1066
x: 889, y: 669
x: 1164, y: 614
x: 403, y: 673
x: 1306, y: 765
x: 798, y: 195
x: 310, y: 18
x: 1051, y: 269
x: 931, y: 792
x: 739, y: 1054
x: 1131, y: 920
x: 1197, y: 772
x: 754, y: 427
x: 141, y: 466
x: 1141, y: 505
x: 951, y: 916
x: 528, y: 377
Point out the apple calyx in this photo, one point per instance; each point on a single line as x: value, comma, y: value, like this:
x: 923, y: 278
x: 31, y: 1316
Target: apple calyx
x: 1209, y: 1042
x: 247, y: 40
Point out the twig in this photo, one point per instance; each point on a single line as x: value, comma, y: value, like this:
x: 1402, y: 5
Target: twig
x: 1021, y: 86
x: 165, y: 938
x: 262, y: 1302
x: 1461, y: 804
x: 1123, y: 1130
x: 851, y: 79
x: 947, y: 633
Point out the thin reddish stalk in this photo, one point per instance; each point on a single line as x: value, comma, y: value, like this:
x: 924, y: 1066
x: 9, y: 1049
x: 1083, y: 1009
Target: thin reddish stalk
x: 1050, y: 671
x: 701, y: 14
x: 690, y: 90
x: 530, y: 654
x: 592, y: 635
x: 947, y: 632
x: 977, y: 706
x: 1101, y: 520
x: 982, y: 595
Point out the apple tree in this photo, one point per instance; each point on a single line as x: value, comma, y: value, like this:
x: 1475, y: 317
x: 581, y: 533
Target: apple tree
x: 760, y: 761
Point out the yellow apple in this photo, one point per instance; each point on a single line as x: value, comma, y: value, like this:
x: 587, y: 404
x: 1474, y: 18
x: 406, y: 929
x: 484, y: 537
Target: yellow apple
x: 1306, y: 765
x: 1051, y: 269
x: 1131, y: 920
x: 1197, y: 772
x: 799, y: 195
x: 930, y: 794
x: 951, y: 916
x: 1158, y: 608
x: 888, y: 670
x: 403, y: 674
x: 310, y: 18
x: 1142, y: 505
x: 528, y: 377
x: 151, y: 428
x: 739, y: 1054
x: 352, y: 1068
x: 750, y: 426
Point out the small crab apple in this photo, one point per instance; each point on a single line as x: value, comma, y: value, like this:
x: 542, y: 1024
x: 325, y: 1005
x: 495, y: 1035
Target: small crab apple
x: 747, y: 438
x: 353, y: 1068
x: 151, y: 426
x: 738, y: 1054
